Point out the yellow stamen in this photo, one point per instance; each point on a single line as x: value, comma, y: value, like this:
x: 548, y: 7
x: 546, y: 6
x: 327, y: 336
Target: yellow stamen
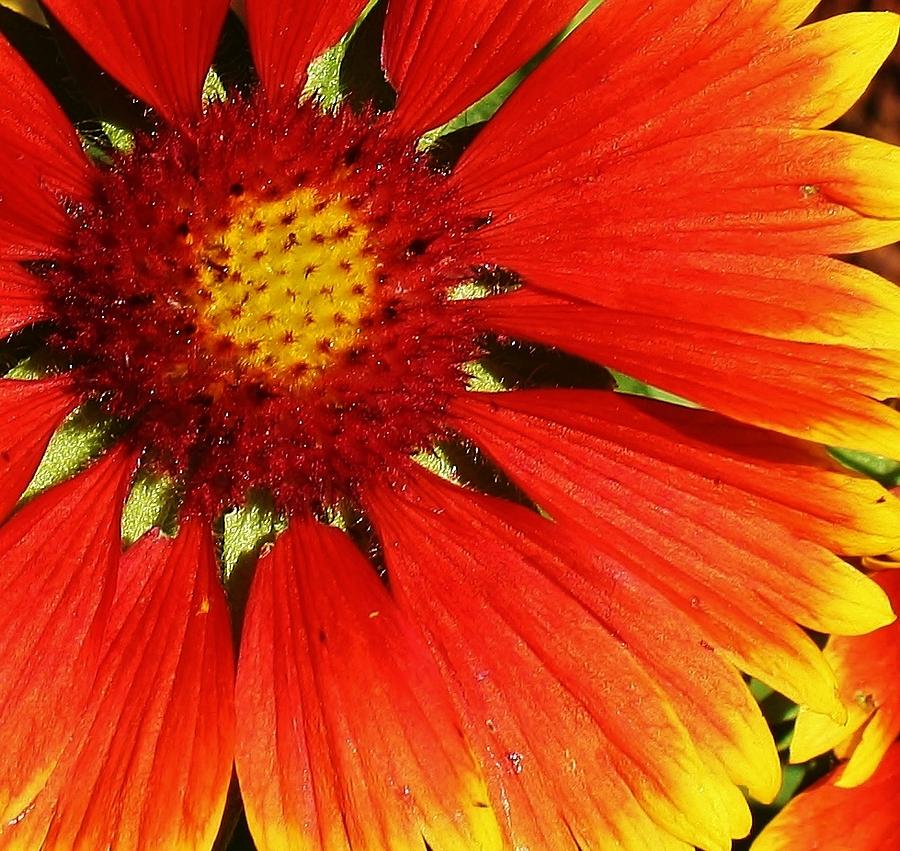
x: 284, y: 287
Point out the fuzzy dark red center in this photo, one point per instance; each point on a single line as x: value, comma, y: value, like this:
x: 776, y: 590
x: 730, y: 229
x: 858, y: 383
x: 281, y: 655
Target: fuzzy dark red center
x: 264, y: 298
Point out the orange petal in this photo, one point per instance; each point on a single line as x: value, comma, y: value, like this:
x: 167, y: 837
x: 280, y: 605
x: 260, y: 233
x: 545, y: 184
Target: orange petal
x: 807, y: 298
x: 885, y: 561
x: 553, y: 673
x: 346, y: 734
x: 744, y: 191
x: 151, y: 758
x: 631, y: 78
x: 29, y: 413
x: 865, y: 818
x: 822, y: 70
x: 714, y: 515
x: 866, y: 667
x: 807, y: 78
x: 803, y: 79
x: 60, y: 555
x: 821, y: 392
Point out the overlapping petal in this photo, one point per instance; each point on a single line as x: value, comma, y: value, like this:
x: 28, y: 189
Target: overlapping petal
x: 347, y: 738
x: 805, y: 299
x: 701, y: 509
x: 751, y: 190
x: 443, y: 55
x: 30, y: 411
x: 816, y: 391
x: 833, y: 818
x: 866, y: 668
x: 151, y: 757
x: 807, y: 78
x: 629, y: 79
x: 660, y: 190
x: 41, y: 163
x: 286, y: 36
x: 547, y: 649
x: 160, y: 49
x: 60, y: 554
x: 690, y: 168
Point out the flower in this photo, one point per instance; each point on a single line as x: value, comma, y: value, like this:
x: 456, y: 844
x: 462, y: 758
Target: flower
x: 265, y: 300
x: 855, y: 806
x: 829, y: 815
x: 866, y: 669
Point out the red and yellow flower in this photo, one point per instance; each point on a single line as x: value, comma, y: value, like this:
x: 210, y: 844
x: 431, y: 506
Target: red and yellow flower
x: 832, y: 817
x: 855, y: 807
x: 263, y: 301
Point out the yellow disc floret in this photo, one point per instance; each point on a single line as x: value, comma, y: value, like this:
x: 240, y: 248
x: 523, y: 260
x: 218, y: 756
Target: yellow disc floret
x: 284, y: 286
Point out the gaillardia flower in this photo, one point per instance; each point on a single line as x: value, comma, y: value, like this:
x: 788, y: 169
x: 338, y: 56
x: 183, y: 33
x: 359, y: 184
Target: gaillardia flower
x: 265, y: 301
x: 832, y: 817
x: 866, y: 667
x: 855, y: 807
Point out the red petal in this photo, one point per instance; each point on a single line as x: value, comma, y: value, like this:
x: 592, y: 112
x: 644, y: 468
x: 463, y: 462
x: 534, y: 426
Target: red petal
x: 632, y: 77
x: 30, y: 411
x: 741, y: 191
x: 443, y: 56
x: 151, y: 759
x: 816, y: 391
x: 865, y: 818
x: 808, y: 298
x: 808, y: 78
x: 60, y: 555
x: 866, y: 667
x: 21, y: 299
x: 286, y: 36
x: 726, y: 522
x: 563, y: 687
x: 160, y: 49
x: 346, y: 734
x: 40, y: 162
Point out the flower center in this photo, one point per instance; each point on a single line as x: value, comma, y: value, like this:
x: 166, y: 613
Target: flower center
x: 286, y: 284
x: 264, y: 297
